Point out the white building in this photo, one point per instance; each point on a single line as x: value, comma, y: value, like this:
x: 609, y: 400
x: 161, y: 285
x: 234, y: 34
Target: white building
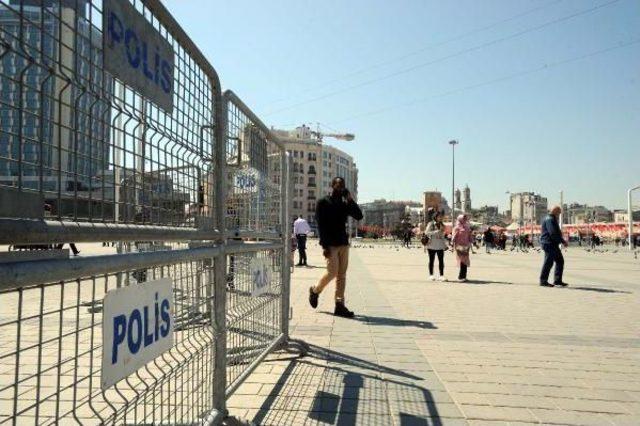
x: 527, y: 206
x: 315, y: 164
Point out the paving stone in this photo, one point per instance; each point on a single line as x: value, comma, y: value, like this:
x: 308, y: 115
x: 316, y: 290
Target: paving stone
x: 497, y: 413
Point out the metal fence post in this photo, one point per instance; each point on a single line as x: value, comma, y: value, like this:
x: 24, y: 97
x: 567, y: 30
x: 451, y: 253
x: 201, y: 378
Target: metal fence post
x: 220, y: 263
x: 286, y: 231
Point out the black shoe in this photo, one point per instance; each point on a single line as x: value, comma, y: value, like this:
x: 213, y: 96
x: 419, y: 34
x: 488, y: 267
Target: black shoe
x: 546, y: 284
x: 561, y: 284
x: 298, y: 264
x: 313, y: 298
x: 342, y: 311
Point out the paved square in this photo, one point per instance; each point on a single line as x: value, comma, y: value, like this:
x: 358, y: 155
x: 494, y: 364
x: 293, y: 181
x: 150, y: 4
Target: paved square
x: 497, y: 350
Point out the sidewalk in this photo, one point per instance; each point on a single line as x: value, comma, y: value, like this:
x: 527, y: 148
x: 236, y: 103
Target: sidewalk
x: 497, y: 350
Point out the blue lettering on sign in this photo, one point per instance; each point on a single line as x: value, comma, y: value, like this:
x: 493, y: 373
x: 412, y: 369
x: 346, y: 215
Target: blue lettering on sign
x: 139, y: 330
x: 138, y: 54
x: 246, y: 181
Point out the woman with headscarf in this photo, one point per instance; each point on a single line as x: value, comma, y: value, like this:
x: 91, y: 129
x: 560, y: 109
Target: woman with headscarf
x: 461, y: 239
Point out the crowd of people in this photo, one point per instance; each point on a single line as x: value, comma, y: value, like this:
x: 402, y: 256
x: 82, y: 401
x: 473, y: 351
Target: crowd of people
x: 333, y: 211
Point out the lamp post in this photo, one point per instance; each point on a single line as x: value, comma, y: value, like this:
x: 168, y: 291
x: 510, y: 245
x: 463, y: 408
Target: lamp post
x: 453, y: 144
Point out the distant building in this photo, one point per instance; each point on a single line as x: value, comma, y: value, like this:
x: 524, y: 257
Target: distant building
x: 434, y: 199
x: 526, y: 207
x: 388, y: 214
x: 457, y: 204
x: 315, y: 164
x: 414, y: 214
x: 466, y: 199
x: 581, y: 213
x: 60, y: 132
x: 487, y: 215
x: 623, y: 215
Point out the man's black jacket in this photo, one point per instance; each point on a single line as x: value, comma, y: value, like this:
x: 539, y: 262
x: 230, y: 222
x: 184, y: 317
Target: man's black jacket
x: 550, y: 231
x: 331, y: 217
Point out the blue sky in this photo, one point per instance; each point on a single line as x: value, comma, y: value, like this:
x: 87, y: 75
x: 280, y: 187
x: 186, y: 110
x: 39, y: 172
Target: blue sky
x: 543, y: 95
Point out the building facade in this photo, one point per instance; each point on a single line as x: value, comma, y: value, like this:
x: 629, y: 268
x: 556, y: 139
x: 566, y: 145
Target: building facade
x: 526, y: 207
x: 623, y: 215
x: 466, y: 199
x: 581, y: 213
x: 53, y: 135
x: 315, y: 164
x: 386, y: 214
x: 435, y: 200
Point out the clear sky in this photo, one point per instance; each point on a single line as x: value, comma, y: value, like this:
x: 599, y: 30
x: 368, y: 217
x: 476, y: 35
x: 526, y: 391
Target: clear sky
x: 543, y: 95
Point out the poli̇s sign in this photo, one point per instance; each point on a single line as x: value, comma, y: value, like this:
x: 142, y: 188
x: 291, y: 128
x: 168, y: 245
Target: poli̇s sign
x: 136, y: 53
x: 137, y: 326
x: 246, y: 180
x: 260, y: 269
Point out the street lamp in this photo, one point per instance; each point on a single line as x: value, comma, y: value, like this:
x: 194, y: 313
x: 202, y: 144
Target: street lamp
x: 453, y: 144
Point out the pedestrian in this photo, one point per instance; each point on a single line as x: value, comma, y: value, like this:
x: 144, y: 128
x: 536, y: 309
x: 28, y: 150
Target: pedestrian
x: 488, y: 240
x: 550, y: 240
x: 74, y: 249
x: 301, y: 229
x: 462, y: 238
x: 436, y: 245
x: 332, y: 213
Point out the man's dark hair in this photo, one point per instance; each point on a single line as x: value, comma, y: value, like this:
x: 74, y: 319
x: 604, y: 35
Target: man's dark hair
x: 333, y: 182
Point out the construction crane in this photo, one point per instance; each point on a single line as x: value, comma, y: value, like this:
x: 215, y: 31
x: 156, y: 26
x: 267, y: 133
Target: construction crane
x: 342, y: 136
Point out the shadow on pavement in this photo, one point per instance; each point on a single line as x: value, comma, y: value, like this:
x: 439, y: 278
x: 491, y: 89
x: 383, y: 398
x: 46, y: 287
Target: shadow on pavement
x: 486, y: 282
x: 599, y: 289
x: 395, y: 322
x: 339, y: 393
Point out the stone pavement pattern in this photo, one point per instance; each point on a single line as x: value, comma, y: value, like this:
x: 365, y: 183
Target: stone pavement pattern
x: 497, y: 350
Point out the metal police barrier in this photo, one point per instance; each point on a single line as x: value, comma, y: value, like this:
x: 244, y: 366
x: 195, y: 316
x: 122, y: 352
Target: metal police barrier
x: 254, y: 164
x: 108, y: 118
x: 257, y: 185
x: 113, y: 128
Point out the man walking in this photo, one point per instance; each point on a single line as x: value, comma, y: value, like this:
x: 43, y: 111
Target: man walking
x: 331, y: 216
x: 300, y: 230
x: 550, y: 240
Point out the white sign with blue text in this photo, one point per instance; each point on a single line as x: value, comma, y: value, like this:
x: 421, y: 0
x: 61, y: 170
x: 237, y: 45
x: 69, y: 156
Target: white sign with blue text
x: 136, y: 53
x: 137, y: 327
x: 260, y: 269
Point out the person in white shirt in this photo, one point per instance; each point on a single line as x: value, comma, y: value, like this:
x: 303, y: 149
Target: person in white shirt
x: 436, y: 245
x: 300, y: 230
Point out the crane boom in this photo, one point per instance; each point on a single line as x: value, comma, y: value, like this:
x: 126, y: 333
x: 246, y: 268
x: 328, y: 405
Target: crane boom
x: 341, y: 136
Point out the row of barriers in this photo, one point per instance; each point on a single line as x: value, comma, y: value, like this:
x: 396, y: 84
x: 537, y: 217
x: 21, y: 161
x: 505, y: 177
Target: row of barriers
x: 114, y: 128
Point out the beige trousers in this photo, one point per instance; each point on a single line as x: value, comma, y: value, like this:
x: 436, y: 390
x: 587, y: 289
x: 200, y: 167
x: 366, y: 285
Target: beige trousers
x: 337, y: 263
